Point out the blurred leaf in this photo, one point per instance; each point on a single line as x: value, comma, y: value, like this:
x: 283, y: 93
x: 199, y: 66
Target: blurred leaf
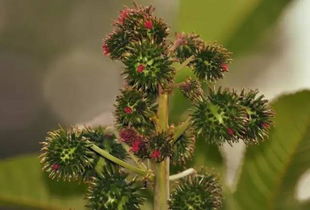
x: 23, y: 183
x: 239, y: 24
x: 271, y: 170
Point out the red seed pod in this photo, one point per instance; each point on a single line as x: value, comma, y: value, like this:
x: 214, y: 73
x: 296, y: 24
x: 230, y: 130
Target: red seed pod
x: 148, y: 24
x: 128, y: 110
x: 140, y: 68
x: 155, y: 154
x: 225, y: 67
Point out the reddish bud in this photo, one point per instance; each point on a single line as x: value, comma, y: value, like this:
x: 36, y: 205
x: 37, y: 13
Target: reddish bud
x: 155, y: 154
x: 265, y: 125
x: 105, y: 49
x: 127, y: 135
x: 140, y: 68
x: 230, y: 131
x: 55, y: 167
x: 128, y: 110
x: 122, y: 16
x: 225, y: 67
x: 135, y: 147
x: 148, y: 24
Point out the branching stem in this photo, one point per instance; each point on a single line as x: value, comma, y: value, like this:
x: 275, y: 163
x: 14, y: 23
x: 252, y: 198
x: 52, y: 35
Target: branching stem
x: 118, y: 161
x: 179, y: 130
x: 182, y: 174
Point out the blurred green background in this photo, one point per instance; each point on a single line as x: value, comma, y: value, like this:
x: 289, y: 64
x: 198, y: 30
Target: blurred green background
x: 53, y: 72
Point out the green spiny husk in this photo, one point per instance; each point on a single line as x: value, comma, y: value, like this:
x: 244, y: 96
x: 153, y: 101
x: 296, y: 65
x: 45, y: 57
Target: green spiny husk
x: 66, y: 155
x: 259, y: 116
x: 161, y: 142
x: 197, y: 192
x: 183, y: 149
x: 143, y: 110
x: 114, y: 191
x: 192, y: 89
x: 158, y: 70
x: 220, y: 118
x: 207, y: 64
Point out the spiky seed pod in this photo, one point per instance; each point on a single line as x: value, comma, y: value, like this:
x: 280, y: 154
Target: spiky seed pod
x: 160, y: 146
x: 183, y: 149
x: 66, y: 155
x: 192, y: 89
x: 140, y: 24
x: 148, y: 66
x: 211, y: 62
x: 187, y: 45
x: 134, y: 110
x: 197, y: 192
x: 220, y: 118
x: 259, y: 116
x: 115, y: 44
x: 114, y: 191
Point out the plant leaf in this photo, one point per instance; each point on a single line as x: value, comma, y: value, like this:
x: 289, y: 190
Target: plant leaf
x: 238, y: 24
x: 272, y: 169
x: 23, y: 183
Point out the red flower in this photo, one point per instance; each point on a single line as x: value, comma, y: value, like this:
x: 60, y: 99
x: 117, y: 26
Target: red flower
x: 148, y: 24
x: 155, y: 154
x: 105, y: 49
x: 55, y: 167
x: 140, y: 68
x: 127, y: 135
x: 128, y: 110
x: 225, y: 67
x: 230, y: 131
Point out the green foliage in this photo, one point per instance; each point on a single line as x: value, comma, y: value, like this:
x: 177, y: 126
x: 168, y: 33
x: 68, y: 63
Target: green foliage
x: 272, y: 169
x: 23, y: 183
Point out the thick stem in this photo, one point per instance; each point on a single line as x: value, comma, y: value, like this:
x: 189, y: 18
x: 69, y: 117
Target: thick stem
x: 161, y: 189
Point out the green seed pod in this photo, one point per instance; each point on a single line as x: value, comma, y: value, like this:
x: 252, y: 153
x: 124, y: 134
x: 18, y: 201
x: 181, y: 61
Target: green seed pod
x: 192, y: 89
x: 259, y: 116
x: 160, y: 146
x: 114, y: 191
x: 148, y: 67
x: 115, y: 44
x: 133, y: 109
x: 183, y: 149
x: 197, y: 192
x: 211, y: 62
x: 220, y: 118
x: 66, y: 155
x: 187, y: 45
x: 140, y: 24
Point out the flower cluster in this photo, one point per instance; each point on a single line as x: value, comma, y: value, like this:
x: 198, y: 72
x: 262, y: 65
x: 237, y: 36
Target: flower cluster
x: 142, y: 142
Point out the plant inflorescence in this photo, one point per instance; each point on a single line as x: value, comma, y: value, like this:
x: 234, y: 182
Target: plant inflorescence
x: 121, y: 164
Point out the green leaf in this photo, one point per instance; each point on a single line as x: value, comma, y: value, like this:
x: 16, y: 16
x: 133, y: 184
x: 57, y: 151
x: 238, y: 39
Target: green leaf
x: 23, y: 183
x: 239, y: 24
x: 272, y: 169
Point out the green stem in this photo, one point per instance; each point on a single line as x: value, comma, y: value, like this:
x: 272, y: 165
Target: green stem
x: 161, y: 189
x: 180, y: 129
x: 120, y: 162
x: 182, y: 174
x: 185, y: 63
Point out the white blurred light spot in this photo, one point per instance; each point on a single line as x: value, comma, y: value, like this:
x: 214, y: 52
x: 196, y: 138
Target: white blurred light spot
x: 303, y: 186
x: 80, y: 85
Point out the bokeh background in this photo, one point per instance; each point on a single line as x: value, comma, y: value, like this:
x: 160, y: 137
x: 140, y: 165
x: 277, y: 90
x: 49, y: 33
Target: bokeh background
x: 52, y: 70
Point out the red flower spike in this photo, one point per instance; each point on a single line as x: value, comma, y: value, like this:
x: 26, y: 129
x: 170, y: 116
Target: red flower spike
x: 105, y: 49
x: 225, y: 67
x: 155, y: 154
x: 230, y: 131
x: 140, y: 68
x: 148, y: 24
x: 127, y: 135
x: 55, y: 167
x: 128, y: 110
